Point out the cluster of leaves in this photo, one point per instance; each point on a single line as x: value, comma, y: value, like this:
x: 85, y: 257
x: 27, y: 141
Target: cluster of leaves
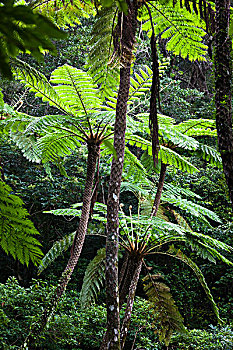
x: 17, y: 231
x: 22, y: 30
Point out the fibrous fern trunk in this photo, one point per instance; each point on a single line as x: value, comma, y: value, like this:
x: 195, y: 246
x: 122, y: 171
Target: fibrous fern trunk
x: 130, y: 302
x: 126, y: 29
x: 93, y: 155
x: 223, y: 78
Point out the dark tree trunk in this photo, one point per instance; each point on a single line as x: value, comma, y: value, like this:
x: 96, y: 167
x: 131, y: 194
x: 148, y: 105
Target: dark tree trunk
x: 130, y: 301
x: 223, y: 77
x: 127, y: 25
x: 93, y: 155
x: 159, y: 189
x: 127, y: 278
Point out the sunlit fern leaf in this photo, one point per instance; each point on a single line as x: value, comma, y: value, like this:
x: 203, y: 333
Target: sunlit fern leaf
x: 75, y: 88
x: 208, y: 247
x: 38, y: 83
x: 93, y: 279
x: 101, y: 49
x: 16, y: 230
x: 65, y: 212
x: 28, y: 146
x: 167, y: 316
x: 209, y: 154
x: 170, y: 157
x: 170, y: 134
x: 56, y: 145
x: 177, y: 190
x: 197, y: 127
x: 58, y: 248
x: 63, y: 12
x: 191, y: 207
x: 183, y: 30
x: 178, y: 254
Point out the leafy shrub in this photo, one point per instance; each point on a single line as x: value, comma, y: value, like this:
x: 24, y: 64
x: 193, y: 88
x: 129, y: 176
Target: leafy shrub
x: 214, y: 339
x: 71, y: 328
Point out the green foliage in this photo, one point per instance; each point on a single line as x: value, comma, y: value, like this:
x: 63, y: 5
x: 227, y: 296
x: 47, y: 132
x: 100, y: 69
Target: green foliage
x: 64, y: 13
x: 70, y: 327
x: 163, y: 305
x: 101, y: 48
x: 213, y: 338
x: 17, y: 231
x: 58, y: 248
x: 21, y: 30
x: 93, y: 279
x: 183, y: 30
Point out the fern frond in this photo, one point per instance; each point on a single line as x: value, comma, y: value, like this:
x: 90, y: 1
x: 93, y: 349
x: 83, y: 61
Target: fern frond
x: 16, y: 230
x: 183, y: 30
x: 209, y: 154
x: 65, y: 12
x: 93, y: 279
x: 58, y: 144
x: 170, y: 134
x: 38, y: 83
x: 197, y: 127
x: 163, y: 305
x: 75, y: 88
x: 191, y: 207
x: 58, y: 248
x: 101, y: 49
x: 178, y: 254
x: 170, y: 157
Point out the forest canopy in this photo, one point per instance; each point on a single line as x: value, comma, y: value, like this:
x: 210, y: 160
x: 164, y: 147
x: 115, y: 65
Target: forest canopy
x: 116, y: 188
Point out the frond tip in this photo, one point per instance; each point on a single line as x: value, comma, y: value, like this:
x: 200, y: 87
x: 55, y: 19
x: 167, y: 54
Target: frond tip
x: 93, y: 279
x: 167, y: 315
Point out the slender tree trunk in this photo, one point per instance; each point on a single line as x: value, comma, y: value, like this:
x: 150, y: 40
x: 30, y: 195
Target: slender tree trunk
x: 130, y: 301
x: 127, y: 25
x: 128, y: 277
x: 223, y: 78
x: 93, y: 155
x: 159, y: 189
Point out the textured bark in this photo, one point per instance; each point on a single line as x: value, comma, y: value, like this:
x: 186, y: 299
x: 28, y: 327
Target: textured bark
x: 127, y: 24
x: 223, y: 77
x: 124, y: 287
x: 93, y: 155
x: 130, y: 301
x: 159, y: 189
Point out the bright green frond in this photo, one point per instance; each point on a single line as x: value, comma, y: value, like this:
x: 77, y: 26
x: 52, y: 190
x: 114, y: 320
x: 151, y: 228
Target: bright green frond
x: 93, y: 279
x: 56, y: 145
x: 38, y: 83
x: 183, y: 30
x: 170, y: 157
x: 75, y: 88
x: 16, y: 230
x: 197, y: 127
x: 58, y: 248
x: 100, y: 68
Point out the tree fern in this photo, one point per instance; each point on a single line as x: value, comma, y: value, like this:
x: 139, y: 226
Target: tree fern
x: 163, y: 305
x: 16, y: 230
x: 93, y: 279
